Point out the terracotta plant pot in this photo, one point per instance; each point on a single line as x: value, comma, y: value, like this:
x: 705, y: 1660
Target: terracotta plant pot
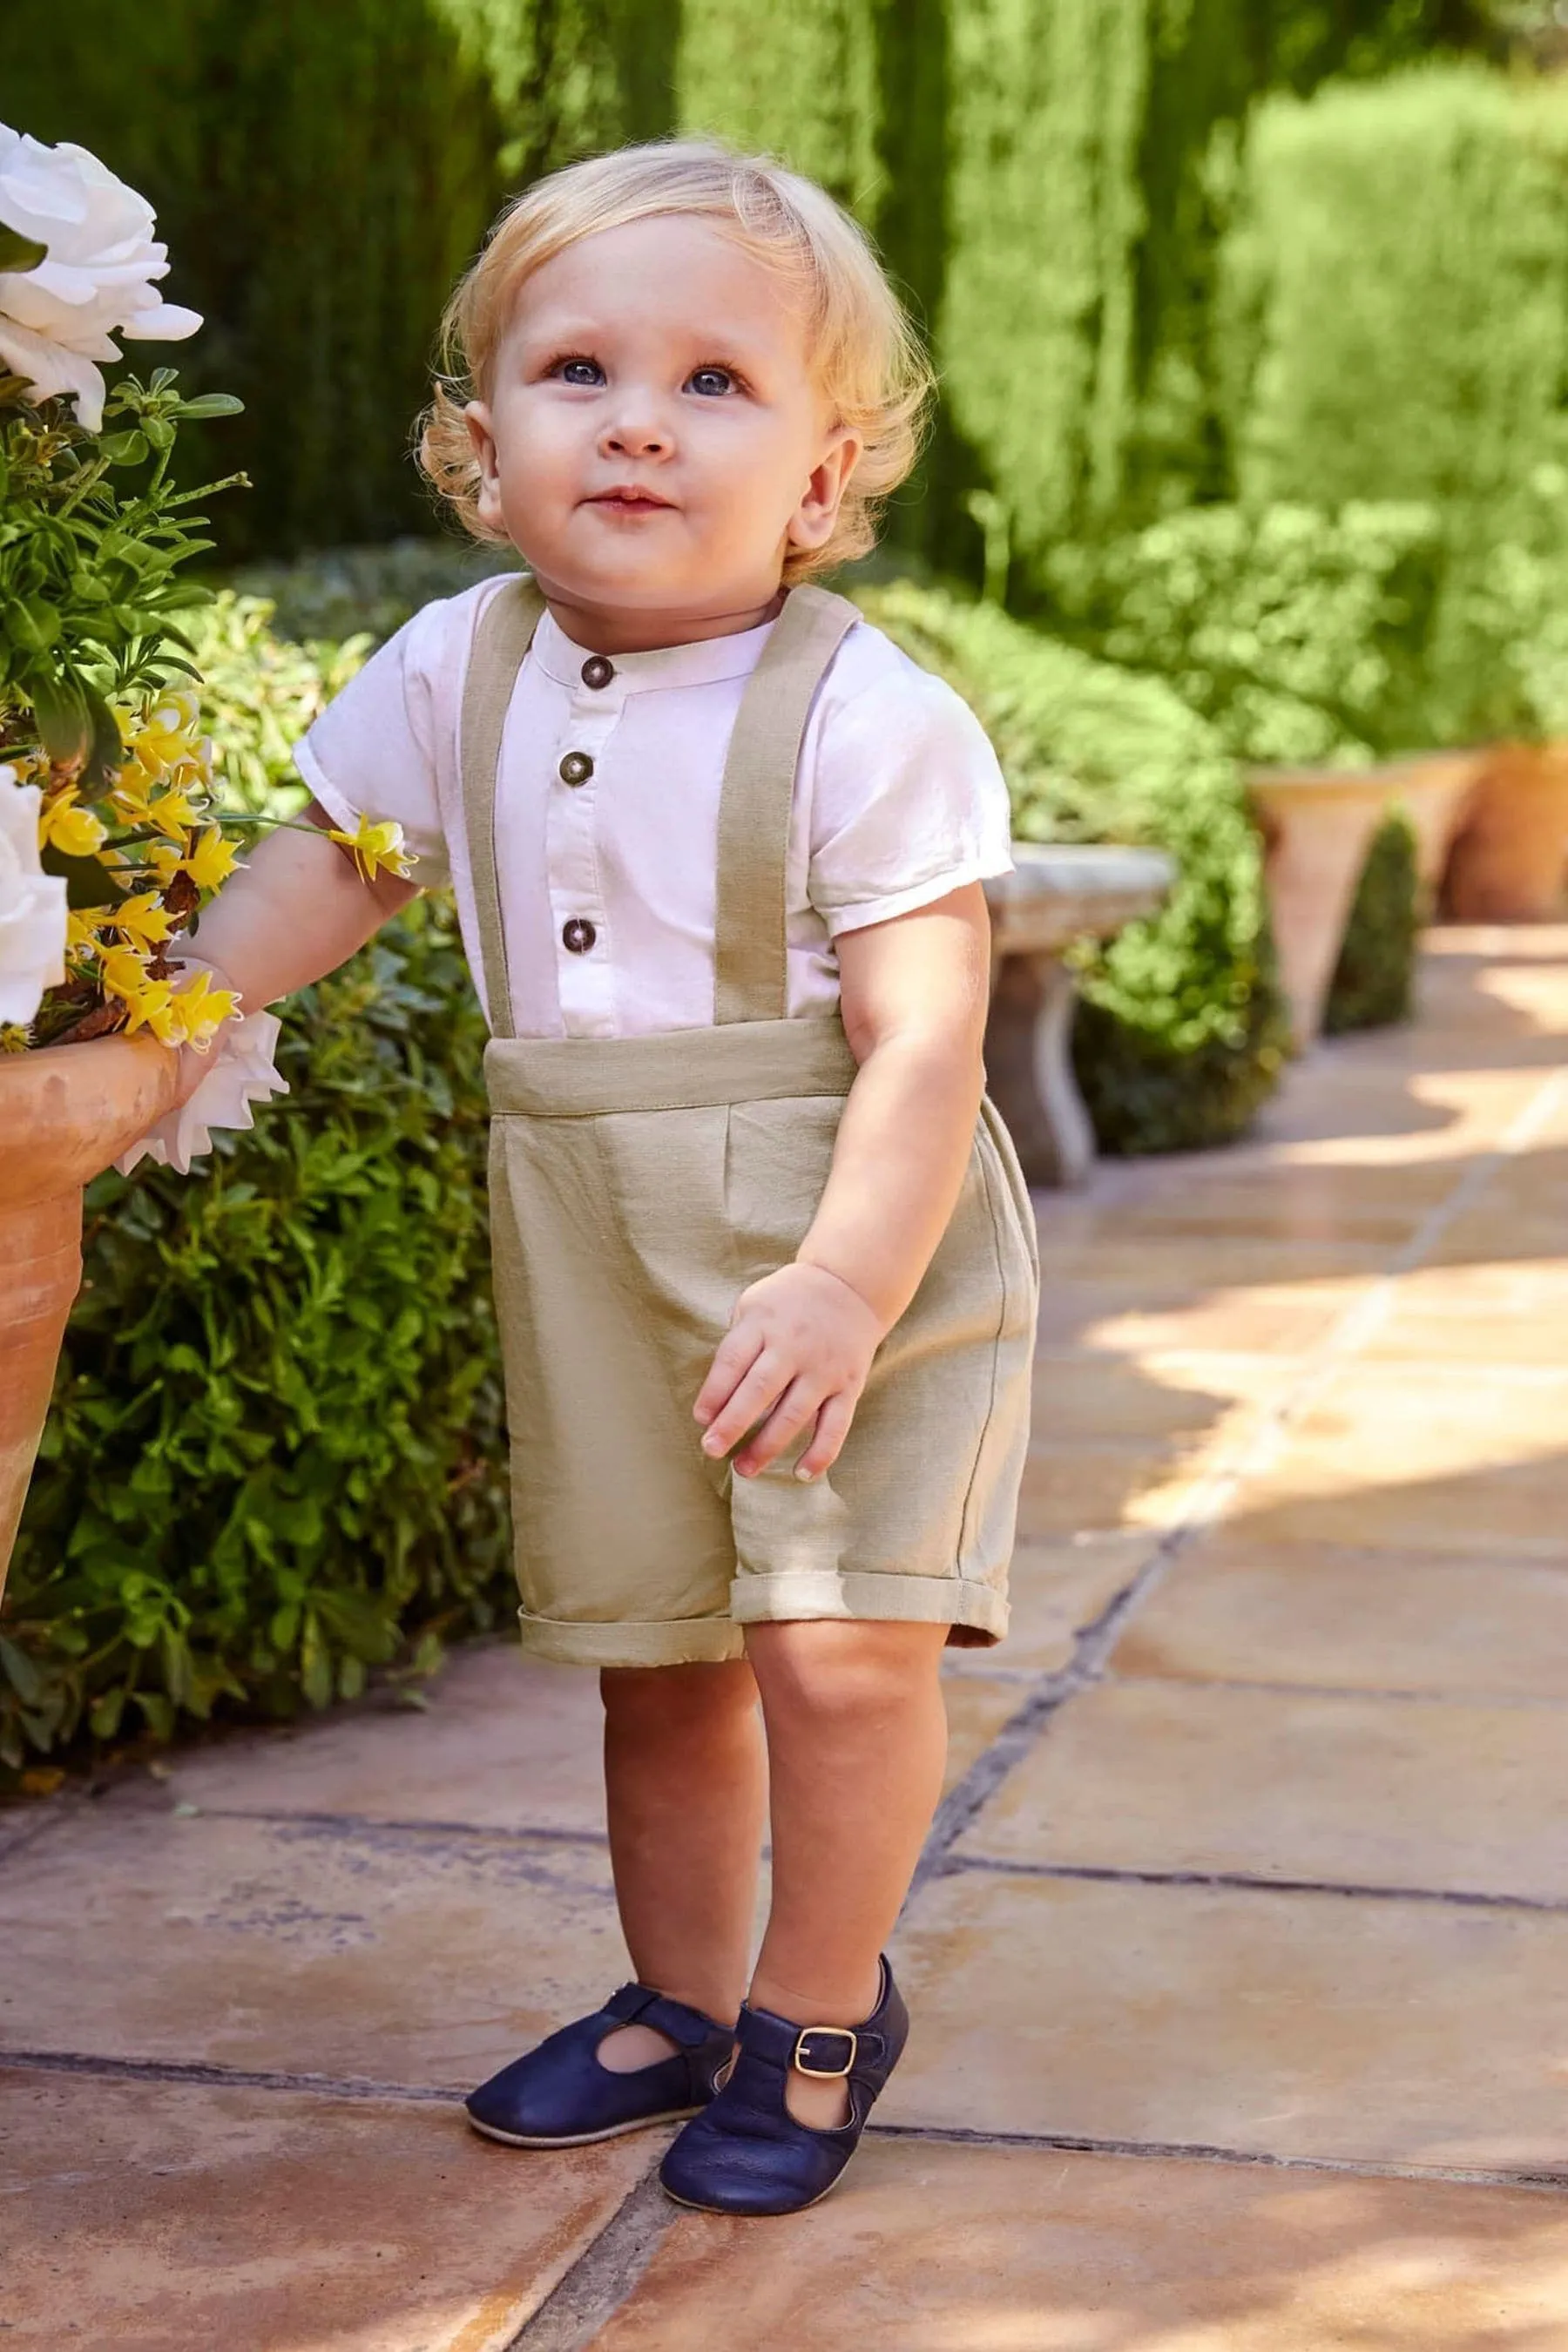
x: 65, y: 1114
x: 1436, y: 791
x: 1316, y: 826
x: 1506, y: 865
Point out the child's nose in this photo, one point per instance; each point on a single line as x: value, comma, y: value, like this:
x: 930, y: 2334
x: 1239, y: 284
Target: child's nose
x: 637, y: 436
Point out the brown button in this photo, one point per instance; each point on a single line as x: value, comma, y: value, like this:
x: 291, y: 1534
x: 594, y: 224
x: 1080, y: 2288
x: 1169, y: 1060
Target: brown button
x: 578, y: 936
x: 575, y: 767
x: 597, y: 671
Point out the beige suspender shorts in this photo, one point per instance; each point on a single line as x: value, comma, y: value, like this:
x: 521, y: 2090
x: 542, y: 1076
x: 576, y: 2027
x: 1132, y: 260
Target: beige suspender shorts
x: 638, y: 1184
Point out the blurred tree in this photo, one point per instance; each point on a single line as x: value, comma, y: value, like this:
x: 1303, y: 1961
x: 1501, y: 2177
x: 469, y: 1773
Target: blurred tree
x: 799, y: 82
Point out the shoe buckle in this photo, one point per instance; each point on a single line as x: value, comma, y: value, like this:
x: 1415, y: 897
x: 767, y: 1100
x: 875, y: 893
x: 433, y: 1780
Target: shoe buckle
x: 807, y: 2057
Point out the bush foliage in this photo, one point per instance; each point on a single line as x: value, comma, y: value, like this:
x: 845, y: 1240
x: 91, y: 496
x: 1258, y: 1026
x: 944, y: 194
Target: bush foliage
x: 1301, y: 636
x: 1374, y: 982
x: 275, y: 1458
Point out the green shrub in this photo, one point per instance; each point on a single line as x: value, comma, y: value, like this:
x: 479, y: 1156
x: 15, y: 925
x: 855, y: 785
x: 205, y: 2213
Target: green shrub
x: 1395, y: 322
x: 1374, y: 982
x: 259, y: 693
x: 1302, y: 637
x: 1181, y: 1032
x: 342, y: 591
x: 275, y: 1458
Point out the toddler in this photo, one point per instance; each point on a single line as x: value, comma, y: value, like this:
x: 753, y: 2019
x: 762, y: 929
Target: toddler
x: 763, y: 1260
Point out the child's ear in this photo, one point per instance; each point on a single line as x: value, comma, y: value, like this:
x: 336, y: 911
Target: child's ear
x: 481, y: 434
x: 812, y: 522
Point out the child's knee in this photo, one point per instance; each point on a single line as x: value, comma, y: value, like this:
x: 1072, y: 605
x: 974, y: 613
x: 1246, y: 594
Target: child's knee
x: 824, y: 1671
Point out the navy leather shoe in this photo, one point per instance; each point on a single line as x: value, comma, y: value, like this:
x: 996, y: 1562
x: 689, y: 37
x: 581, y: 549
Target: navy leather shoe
x: 558, y: 2096
x: 745, y: 2153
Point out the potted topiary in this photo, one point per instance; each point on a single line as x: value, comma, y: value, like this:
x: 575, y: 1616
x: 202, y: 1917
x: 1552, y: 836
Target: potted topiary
x: 109, y: 839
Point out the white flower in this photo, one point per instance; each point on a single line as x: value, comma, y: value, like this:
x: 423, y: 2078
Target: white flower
x: 240, y: 1071
x: 32, y: 906
x: 95, y: 279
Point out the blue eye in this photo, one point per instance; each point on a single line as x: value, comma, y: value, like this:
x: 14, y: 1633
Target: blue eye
x: 712, y: 382
x: 587, y: 373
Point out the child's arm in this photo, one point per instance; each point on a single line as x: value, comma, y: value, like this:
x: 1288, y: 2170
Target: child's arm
x: 298, y: 909
x: 915, y: 993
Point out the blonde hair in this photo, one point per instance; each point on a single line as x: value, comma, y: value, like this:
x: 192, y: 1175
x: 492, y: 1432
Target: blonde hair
x: 864, y: 352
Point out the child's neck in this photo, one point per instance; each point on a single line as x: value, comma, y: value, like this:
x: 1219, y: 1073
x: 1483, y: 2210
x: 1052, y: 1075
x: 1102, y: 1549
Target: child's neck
x: 601, y: 629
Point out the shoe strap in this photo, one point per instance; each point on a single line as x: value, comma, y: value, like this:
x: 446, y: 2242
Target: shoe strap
x: 854, y: 2054
x: 639, y: 2004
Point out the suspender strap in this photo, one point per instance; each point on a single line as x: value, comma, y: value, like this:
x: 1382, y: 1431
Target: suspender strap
x: 502, y: 638
x: 751, y: 974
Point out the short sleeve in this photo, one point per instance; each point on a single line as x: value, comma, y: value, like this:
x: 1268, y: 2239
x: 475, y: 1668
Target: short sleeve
x: 373, y: 753
x: 909, y: 801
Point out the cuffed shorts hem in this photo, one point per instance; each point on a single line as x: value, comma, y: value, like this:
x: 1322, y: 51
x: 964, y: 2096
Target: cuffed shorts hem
x: 810, y: 1592
x: 635, y: 1641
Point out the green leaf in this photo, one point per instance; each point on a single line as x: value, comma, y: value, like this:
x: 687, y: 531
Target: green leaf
x: 104, y: 1721
x: 105, y: 750
x: 21, y: 1672
x: 18, y: 252
x: 212, y: 403
x: 64, y: 726
x: 87, y: 884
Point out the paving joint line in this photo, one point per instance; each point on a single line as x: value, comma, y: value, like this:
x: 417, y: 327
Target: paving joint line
x: 1543, y: 2179
x: 1238, y: 1882
x: 605, y: 2275
x: 359, y: 1824
x: 1257, y: 1445
x: 325, y: 2086
x: 106, y: 2067
x: 1524, y: 1700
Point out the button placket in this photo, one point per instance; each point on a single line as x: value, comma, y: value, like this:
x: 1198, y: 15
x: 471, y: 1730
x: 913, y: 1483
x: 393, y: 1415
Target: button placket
x: 583, y: 958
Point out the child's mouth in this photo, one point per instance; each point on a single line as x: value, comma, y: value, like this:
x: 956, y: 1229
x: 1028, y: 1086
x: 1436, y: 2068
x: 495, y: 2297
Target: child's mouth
x: 631, y: 502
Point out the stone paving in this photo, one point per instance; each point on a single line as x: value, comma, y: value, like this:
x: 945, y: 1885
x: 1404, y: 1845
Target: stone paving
x: 1239, y: 1958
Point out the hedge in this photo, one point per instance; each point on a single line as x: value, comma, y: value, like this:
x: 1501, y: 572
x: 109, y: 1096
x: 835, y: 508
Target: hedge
x: 1047, y: 177
x: 1435, y: 206
x: 1181, y: 1032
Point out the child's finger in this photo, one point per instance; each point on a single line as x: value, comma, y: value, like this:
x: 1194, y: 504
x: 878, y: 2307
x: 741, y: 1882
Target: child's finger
x: 737, y: 1351
x: 832, y: 1429
x: 794, y: 1411
x: 748, y: 1404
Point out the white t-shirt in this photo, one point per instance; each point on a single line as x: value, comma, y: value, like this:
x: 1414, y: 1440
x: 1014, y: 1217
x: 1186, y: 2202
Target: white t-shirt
x: 607, y: 885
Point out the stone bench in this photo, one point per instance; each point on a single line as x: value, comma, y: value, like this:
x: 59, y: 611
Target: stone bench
x: 1057, y: 895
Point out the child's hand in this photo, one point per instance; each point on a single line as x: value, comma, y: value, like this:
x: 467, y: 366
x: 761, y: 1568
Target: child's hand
x: 797, y: 1351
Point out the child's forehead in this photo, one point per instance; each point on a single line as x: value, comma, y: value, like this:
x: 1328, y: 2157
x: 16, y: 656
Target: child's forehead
x: 674, y: 269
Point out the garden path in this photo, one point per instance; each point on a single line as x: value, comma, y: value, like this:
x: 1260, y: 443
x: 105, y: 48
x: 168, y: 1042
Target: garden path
x: 1239, y: 1960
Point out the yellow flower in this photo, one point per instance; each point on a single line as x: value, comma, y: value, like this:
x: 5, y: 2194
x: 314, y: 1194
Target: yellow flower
x: 165, y: 860
x: 170, y: 813
x: 149, y: 1002
x: 164, y: 737
x: 377, y: 849
x: 211, y: 862
x: 202, y: 1009
x: 124, y: 971
x: 142, y: 919
x: 74, y: 832
x: 83, y: 926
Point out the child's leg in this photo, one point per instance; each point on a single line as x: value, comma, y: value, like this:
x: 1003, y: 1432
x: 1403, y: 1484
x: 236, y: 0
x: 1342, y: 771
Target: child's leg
x: 685, y: 1781
x: 857, y: 1738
